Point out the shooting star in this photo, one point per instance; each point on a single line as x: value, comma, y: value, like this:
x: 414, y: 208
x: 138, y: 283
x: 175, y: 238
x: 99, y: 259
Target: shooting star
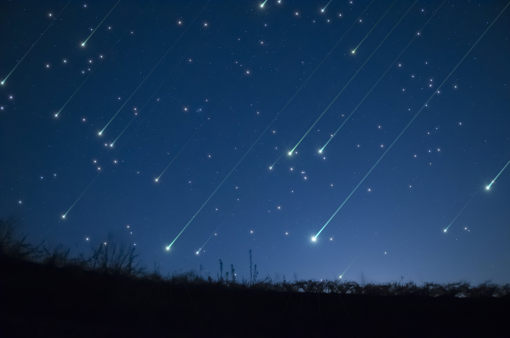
x: 157, y: 64
x: 322, y: 10
x: 84, y: 42
x: 460, y: 212
x: 35, y: 43
x: 355, y: 258
x: 495, y: 178
x: 370, y: 31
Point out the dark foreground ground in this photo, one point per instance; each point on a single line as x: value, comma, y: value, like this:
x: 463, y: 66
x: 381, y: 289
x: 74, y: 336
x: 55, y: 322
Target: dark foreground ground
x: 43, y: 301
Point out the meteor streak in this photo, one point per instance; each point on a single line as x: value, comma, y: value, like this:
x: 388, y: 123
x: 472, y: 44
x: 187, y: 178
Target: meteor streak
x: 415, y: 116
x: 352, y: 78
x: 322, y: 10
x: 79, y: 197
x: 51, y: 24
x: 460, y: 212
x: 215, y: 230
x: 192, y: 136
x: 226, y: 177
x: 495, y: 178
x: 343, y: 273
x: 387, y: 70
x: 180, y: 151
x: 370, y: 31
x: 84, y: 42
x: 157, y: 64
x: 262, y: 5
x: 102, y: 59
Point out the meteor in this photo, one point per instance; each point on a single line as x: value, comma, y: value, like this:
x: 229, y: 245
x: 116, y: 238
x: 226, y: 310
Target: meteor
x: 322, y: 10
x: 460, y: 212
x: 192, y: 136
x: 262, y: 5
x: 272, y: 165
x: 366, y: 36
x: 102, y: 59
x: 495, y: 178
x: 157, y: 64
x: 84, y: 42
x: 180, y: 151
x: 352, y: 78
x: 226, y: 177
x: 51, y: 24
x: 343, y: 273
x: 375, y: 85
x: 216, y: 230
x: 79, y: 197
x: 407, y: 126
x: 148, y: 100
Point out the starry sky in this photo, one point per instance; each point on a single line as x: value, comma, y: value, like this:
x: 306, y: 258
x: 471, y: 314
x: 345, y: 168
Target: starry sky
x: 192, y: 130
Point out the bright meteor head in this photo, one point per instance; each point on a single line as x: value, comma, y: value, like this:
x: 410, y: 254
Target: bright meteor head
x: 488, y: 187
x: 83, y: 44
x: 168, y: 248
x: 63, y: 216
x: 314, y: 239
x: 354, y: 51
x: 100, y: 133
x: 157, y: 179
x: 444, y: 230
x: 290, y: 153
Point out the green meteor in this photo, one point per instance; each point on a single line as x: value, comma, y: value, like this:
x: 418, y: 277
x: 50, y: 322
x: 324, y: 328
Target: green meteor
x: 407, y: 126
x: 322, y: 10
x: 272, y: 165
x: 352, y: 78
x: 219, y: 186
x: 79, y: 197
x: 84, y: 42
x: 180, y: 151
x: 343, y: 273
x: 387, y: 70
x: 19, y: 62
x: 495, y: 178
x: 93, y: 70
x: 215, y: 230
x: 262, y: 4
x: 192, y: 136
x: 460, y: 212
x: 157, y: 64
x: 370, y: 31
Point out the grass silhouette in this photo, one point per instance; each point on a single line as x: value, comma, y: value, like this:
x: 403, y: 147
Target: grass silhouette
x: 108, y: 293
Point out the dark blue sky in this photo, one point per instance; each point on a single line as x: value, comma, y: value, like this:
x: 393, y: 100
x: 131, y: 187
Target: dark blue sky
x: 230, y: 69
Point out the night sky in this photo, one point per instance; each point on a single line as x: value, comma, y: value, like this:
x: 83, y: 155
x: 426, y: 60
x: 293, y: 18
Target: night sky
x: 199, y: 104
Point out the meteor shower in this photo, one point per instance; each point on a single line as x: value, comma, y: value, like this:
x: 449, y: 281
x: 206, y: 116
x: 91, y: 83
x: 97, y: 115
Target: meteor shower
x: 221, y: 168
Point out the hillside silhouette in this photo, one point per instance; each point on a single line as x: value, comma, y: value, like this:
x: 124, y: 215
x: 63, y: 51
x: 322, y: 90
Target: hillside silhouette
x: 48, y: 293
